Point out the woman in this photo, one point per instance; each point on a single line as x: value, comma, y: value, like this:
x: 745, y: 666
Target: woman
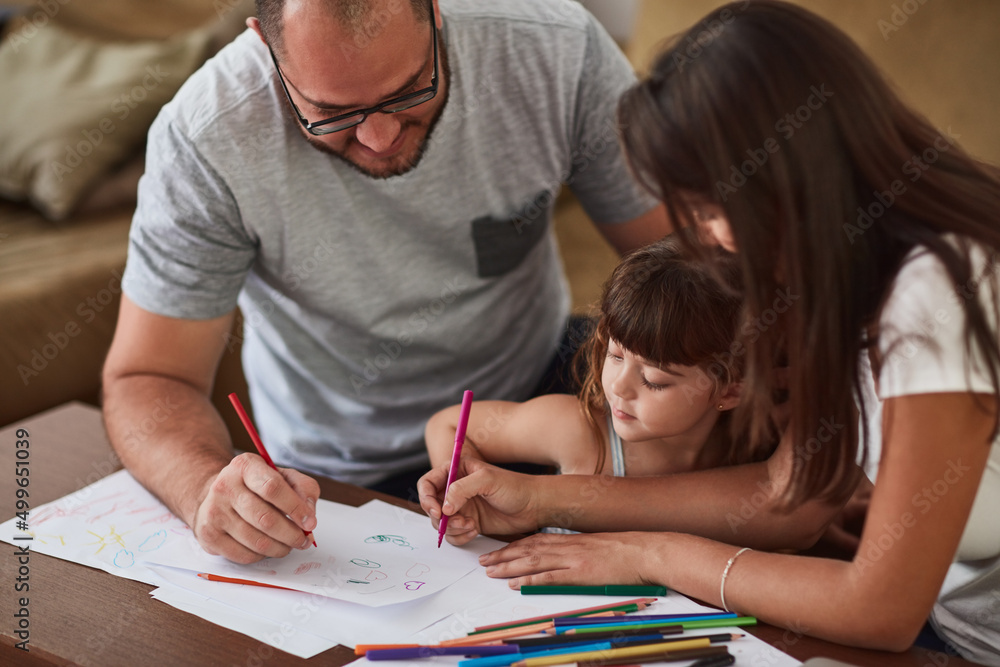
x: 868, y: 243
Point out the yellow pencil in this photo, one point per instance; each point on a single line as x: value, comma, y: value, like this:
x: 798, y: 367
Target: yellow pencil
x: 613, y: 653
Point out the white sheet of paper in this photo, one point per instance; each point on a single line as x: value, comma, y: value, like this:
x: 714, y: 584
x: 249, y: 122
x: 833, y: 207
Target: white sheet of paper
x: 359, y: 559
x: 113, y: 525
x: 347, y: 622
x: 284, y: 636
x: 119, y: 527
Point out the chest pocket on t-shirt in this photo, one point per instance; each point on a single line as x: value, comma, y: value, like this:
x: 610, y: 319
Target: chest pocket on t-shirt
x: 501, y: 245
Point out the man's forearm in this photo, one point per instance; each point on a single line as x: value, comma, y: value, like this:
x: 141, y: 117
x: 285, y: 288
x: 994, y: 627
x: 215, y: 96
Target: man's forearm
x: 736, y: 505
x: 169, y: 436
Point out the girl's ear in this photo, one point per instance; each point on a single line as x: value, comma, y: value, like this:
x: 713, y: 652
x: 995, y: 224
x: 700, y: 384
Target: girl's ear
x: 729, y: 397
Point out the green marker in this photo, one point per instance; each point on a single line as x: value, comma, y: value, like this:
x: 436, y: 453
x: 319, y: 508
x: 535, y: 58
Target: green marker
x: 655, y: 591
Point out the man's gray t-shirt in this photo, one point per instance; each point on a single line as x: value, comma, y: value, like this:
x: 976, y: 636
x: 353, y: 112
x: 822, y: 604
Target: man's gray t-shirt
x: 369, y: 304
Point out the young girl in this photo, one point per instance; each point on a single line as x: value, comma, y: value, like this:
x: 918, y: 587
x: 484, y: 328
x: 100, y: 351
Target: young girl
x: 659, y: 382
x: 781, y: 142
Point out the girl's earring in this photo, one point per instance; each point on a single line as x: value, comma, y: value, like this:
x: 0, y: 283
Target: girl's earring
x: 721, y: 408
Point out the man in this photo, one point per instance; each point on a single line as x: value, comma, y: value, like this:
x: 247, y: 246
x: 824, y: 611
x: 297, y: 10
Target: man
x: 372, y: 181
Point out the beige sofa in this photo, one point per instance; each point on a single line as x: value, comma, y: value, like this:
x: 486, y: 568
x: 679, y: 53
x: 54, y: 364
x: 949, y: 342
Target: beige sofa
x: 88, y: 80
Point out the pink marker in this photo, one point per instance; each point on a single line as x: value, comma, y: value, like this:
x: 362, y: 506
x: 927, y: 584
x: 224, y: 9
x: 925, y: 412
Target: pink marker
x: 456, y: 455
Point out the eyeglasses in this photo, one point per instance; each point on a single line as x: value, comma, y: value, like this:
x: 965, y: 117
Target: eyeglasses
x: 350, y: 119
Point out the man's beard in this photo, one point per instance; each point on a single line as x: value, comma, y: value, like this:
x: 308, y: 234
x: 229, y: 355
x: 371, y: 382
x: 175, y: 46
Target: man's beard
x: 405, y: 164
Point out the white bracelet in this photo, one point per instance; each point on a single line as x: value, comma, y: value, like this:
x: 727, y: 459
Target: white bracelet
x: 725, y: 573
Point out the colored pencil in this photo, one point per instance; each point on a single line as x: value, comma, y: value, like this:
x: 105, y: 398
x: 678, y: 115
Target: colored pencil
x: 479, y: 638
x: 554, y: 640
x: 642, y: 630
x: 456, y: 456
x: 628, y: 651
x: 258, y: 443
x: 666, y: 656
x: 616, y: 614
x: 640, y: 619
x: 627, y: 605
x: 687, y: 625
x: 362, y: 649
x: 651, y: 638
x: 507, y: 660
x: 231, y: 580
x: 431, y: 651
x: 570, y: 647
x: 594, y: 590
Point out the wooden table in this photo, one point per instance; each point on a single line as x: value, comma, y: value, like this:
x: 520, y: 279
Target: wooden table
x: 80, y: 615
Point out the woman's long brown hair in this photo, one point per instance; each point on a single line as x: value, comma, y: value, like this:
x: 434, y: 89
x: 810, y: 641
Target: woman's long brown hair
x: 828, y: 180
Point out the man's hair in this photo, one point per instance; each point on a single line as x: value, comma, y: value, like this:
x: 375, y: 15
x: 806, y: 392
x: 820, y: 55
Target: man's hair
x: 357, y: 16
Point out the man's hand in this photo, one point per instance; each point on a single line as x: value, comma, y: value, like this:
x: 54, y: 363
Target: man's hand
x: 251, y: 511
x: 483, y: 499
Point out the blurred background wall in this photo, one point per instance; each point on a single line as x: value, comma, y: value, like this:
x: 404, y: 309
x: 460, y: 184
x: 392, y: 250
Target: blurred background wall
x: 942, y: 55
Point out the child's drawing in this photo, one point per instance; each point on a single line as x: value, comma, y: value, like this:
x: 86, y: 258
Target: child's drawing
x: 364, y: 556
x: 417, y: 570
x: 395, y: 539
x: 305, y: 567
x: 154, y: 541
x: 124, y: 558
x: 107, y: 540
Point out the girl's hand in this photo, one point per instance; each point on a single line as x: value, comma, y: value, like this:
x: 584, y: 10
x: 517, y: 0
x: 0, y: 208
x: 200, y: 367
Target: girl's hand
x: 585, y: 559
x: 483, y: 499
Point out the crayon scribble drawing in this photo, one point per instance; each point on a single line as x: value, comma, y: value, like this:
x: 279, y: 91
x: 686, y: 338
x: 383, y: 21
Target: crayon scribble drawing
x: 394, y: 539
x: 47, y: 538
x: 305, y: 567
x: 370, y: 557
x: 113, y: 537
x: 124, y: 558
x: 154, y: 541
x: 113, y: 524
x: 417, y: 570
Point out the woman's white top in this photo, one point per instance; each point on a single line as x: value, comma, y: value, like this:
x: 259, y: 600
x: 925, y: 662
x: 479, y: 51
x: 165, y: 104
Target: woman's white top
x: 923, y: 350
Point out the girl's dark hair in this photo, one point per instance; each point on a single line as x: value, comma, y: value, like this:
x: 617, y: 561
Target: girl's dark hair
x: 828, y: 180
x: 663, y: 307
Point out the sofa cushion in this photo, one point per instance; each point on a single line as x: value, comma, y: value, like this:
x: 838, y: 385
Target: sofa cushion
x: 83, y: 106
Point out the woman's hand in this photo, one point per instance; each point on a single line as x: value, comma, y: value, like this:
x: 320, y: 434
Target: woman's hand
x: 585, y: 559
x: 483, y: 499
